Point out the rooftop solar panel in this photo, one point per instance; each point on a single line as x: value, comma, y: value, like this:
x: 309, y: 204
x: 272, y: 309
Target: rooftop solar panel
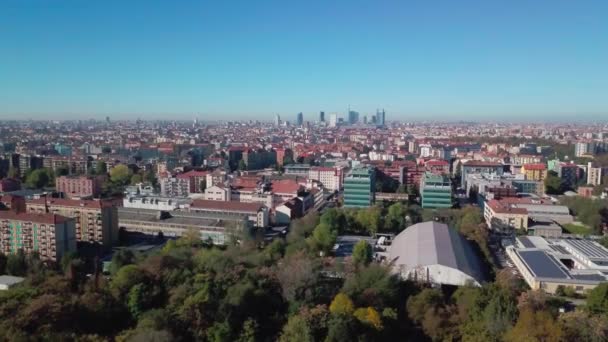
x: 589, y: 248
x: 542, y: 265
x: 526, y: 242
x: 559, y: 249
x: 596, y: 277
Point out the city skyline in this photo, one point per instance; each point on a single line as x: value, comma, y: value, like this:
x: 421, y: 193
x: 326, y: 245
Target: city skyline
x: 472, y: 60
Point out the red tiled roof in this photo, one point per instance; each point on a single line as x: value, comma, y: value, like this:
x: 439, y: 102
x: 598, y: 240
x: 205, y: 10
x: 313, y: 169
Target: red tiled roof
x: 535, y: 166
x: 31, y: 217
x: 95, y: 204
x: 504, y: 208
x: 192, y: 173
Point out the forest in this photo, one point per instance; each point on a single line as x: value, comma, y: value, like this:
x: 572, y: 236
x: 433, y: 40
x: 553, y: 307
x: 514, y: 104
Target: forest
x: 283, y: 291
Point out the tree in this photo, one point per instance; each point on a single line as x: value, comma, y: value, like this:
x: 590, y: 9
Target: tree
x: 12, y: 172
x: 535, y: 326
x: 296, y: 330
x: 16, y: 263
x: 597, y: 299
x: 242, y: 165
x: 120, y: 174
x: 553, y: 184
x: 362, y: 253
x: 324, y: 238
x: 369, y: 316
x: 121, y: 258
x: 395, y: 218
x: 62, y: 171
x: 102, y: 168
x: 3, y: 260
x: 39, y: 178
x: 341, y: 305
x: 136, y: 179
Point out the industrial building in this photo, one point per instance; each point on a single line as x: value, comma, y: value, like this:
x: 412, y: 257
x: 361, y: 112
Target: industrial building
x: 154, y: 222
x: 548, y: 264
x: 432, y: 252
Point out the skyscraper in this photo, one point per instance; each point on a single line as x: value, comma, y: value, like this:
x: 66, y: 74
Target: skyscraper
x: 380, y: 117
x: 277, y: 120
x: 353, y: 117
x: 300, y: 119
x: 322, y: 117
x: 333, y: 120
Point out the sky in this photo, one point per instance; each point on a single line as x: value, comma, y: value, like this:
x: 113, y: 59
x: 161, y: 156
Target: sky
x: 427, y: 59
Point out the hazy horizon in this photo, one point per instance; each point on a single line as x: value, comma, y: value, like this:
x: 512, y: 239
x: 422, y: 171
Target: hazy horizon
x: 468, y: 60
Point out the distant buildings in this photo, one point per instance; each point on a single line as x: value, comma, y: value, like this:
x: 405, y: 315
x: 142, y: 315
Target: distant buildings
x: 380, y: 118
x: 535, y: 172
x: 321, y: 116
x: 9, y: 184
x: 353, y: 117
x: 277, y: 120
x: 436, y: 191
x: 359, y: 187
x: 479, y: 167
x: 569, y: 173
x: 174, y: 186
x: 300, y: 119
x: 76, y: 187
x: 331, y: 177
x: 333, y: 120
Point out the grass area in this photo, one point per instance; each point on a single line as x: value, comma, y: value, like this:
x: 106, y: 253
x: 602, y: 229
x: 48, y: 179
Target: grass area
x: 573, y: 228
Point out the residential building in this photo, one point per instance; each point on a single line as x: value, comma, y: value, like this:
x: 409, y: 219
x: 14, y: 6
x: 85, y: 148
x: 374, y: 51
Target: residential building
x: 359, y: 187
x: 9, y: 184
x: 594, y: 175
x: 218, y: 193
x: 502, y: 217
x: 478, y: 167
x: 174, y: 186
x: 569, y: 173
x: 436, y: 191
x: 96, y: 221
x: 529, y: 187
x: 331, y: 177
x: 535, y: 172
x: 51, y: 236
x: 75, y: 187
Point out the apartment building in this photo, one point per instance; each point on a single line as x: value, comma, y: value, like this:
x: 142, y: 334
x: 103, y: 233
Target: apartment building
x: 76, y: 187
x: 96, y: 221
x: 536, y: 172
x: 331, y: 177
x: 50, y: 235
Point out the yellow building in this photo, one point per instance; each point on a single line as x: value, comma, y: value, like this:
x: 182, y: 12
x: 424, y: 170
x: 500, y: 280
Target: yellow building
x: 535, y: 172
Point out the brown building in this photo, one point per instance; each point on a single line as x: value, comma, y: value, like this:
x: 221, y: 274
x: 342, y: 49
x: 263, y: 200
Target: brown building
x: 52, y: 236
x: 96, y: 220
x: 79, y: 186
x: 9, y: 184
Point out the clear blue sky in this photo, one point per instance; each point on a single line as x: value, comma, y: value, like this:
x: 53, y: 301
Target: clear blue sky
x: 250, y: 59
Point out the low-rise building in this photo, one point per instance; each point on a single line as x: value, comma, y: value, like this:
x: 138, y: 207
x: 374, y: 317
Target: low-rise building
x: 548, y: 264
x: 255, y: 213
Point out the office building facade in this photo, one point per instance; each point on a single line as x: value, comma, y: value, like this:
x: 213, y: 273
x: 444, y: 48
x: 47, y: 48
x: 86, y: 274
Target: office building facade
x: 359, y: 188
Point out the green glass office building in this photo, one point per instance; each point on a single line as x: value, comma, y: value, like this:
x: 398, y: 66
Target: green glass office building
x: 359, y: 187
x: 436, y: 191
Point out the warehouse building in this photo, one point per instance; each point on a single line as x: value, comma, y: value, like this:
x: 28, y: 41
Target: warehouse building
x: 432, y: 252
x: 549, y: 264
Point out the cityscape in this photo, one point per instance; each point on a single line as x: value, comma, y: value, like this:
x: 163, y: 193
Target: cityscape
x: 303, y: 172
